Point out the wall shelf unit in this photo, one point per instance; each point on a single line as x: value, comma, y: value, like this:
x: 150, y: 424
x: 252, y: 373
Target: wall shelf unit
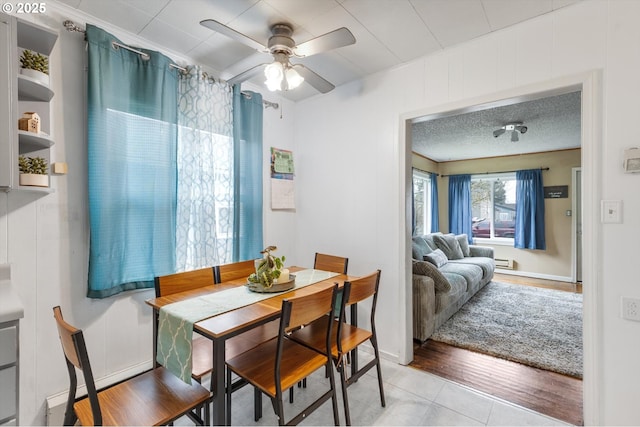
x: 19, y: 94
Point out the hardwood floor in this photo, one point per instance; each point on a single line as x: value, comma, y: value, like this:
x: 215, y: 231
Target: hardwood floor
x: 549, y: 393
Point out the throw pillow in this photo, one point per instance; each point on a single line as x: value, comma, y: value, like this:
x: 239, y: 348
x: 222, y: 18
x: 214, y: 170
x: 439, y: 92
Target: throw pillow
x: 449, y: 245
x: 419, y: 247
x: 463, y: 240
x: 437, y: 258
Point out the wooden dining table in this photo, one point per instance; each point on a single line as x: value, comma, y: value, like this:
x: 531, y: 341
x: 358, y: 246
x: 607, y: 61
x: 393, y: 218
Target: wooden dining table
x: 221, y: 327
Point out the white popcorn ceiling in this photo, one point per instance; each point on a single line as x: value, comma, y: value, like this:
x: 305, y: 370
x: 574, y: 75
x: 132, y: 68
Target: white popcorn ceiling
x: 553, y: 124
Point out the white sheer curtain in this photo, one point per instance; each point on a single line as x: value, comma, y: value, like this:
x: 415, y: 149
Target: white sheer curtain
x: 204, y: 235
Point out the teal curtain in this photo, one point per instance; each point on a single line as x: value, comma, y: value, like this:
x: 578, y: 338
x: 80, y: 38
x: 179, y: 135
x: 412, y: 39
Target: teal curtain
x: 460, y: 205
x: 205, y: 172
x: 247, y: 135
x: 435, y: 216
x: 132, y: 134
x: 530, y: 229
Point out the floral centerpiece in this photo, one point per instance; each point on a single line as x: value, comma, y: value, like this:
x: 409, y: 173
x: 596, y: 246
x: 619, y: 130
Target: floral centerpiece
x: 270, y: 274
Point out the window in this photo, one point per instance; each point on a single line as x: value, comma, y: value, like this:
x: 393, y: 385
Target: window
x: 493, y: 206
x: 421, y: 202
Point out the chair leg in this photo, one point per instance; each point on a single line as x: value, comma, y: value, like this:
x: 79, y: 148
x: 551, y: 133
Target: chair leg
x: 257, y: 404
x: 342, y: 370
x: 227, y: 396
x: 207, y: 413
x: 379, y: 369
x: 279, y: 410
x: 334, y: 395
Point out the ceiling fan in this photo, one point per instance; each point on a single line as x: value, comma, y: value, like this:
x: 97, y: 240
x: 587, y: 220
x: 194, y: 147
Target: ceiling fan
x: 281, y: 74
x: 514, y: 128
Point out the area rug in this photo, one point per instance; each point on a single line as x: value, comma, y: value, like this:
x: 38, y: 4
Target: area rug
x: 537, y: 327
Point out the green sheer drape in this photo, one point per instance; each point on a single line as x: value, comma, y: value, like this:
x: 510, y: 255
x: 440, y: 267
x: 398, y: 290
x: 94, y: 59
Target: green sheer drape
x: 132, y: 136
x: 205, y: 172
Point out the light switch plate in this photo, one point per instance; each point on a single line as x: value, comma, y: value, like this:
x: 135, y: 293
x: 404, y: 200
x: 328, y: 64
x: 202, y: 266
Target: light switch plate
x: 611, y: 211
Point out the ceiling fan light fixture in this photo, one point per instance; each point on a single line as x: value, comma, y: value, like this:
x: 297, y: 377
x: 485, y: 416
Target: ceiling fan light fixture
x: 294, y: 79
x: 514, y: 128
x: 274, y: 73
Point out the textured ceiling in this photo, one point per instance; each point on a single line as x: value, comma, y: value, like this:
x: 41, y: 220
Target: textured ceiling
x: 553, y: 124
x: 388, y: 32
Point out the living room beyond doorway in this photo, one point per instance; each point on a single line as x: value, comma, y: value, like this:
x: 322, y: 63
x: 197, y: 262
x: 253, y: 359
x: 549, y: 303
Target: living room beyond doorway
x: 550, y: 393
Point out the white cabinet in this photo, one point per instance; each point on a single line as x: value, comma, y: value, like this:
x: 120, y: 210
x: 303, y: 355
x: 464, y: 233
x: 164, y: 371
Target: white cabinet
x: 19, y: 94
x: 11, y: 311
x: 8, y: 373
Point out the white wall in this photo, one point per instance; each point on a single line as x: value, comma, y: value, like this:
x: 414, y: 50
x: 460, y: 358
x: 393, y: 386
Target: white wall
x: 46, y: 238
x: 349, y: 159
x: 347, y: 149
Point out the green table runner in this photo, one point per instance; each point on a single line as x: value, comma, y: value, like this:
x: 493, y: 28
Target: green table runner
x: 175, y: 325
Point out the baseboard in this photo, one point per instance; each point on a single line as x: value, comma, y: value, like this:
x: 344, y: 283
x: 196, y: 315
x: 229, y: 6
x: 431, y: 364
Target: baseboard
x: 56, y: 403
x: 535, y: 275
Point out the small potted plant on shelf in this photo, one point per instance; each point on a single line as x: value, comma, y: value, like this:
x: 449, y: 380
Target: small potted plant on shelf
x: 270, y: 276
x: 35, y: 65
x: 33, y: 171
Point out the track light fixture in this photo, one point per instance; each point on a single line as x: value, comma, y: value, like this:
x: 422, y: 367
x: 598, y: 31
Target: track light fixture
x: 514, y: 128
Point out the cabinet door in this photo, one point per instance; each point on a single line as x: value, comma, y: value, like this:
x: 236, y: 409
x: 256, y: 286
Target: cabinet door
x: 6, y: 89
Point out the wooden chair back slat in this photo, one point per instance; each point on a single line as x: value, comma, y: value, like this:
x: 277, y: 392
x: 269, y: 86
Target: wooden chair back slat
x: 235, y: 270
x: 332, y: 263
x: 307, y: 308
x: 363, y: 287
x: 184, y: 281
x: 67, y: 332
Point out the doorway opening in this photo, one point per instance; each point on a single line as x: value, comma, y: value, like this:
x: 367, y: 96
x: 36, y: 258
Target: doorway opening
x: 587, y: 84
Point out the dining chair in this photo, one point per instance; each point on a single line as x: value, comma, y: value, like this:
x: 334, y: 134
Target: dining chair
x: 280, y: 363
x: 201, y: 353
x: 235, y: 270
x: 155, y: 397
x: 247, y: 340
x: 184, y: 281
x: 332, y: 263
x: 345, y: 337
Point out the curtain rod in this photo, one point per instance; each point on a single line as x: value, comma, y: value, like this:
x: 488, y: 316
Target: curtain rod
x: 424, y: 171
x: 71, y: 26
x: 488, y: 173
x: 266, y: 103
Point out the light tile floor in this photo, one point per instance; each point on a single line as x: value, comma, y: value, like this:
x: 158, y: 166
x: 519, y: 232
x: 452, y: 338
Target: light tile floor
x: 413, y: 397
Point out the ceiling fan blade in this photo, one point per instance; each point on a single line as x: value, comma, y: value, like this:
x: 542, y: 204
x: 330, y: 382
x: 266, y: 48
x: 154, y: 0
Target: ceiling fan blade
x: 246, y: 75
x: 233, y: 34
x: 332, y: 40
x: 319, y: 83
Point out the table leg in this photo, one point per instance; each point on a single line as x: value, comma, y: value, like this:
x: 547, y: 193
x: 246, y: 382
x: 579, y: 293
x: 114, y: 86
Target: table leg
x: 217, y: 383
x: 353, y: 309
x: 155, y: 337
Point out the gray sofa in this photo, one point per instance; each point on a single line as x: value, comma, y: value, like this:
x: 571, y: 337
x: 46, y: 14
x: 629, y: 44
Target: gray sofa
x: 447, y: 272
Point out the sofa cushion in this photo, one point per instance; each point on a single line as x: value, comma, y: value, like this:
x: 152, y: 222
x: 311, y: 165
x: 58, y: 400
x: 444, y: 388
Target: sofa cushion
x: 488, y: 265
x: 425, y: 268
x: 419, y: 247
x: 429, y: 239
x: 463, y: 240
x: 458, y: 286
x: 437, y: 258
x: 449, y: 245
x: 471, y: 273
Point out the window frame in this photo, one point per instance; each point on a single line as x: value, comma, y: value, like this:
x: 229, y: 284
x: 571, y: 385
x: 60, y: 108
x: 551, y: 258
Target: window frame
x: 492, y: 177
x: 426, y: 217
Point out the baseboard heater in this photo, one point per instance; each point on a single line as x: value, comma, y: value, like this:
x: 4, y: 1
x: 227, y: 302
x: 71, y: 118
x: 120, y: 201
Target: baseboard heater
x: 504, y: 263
